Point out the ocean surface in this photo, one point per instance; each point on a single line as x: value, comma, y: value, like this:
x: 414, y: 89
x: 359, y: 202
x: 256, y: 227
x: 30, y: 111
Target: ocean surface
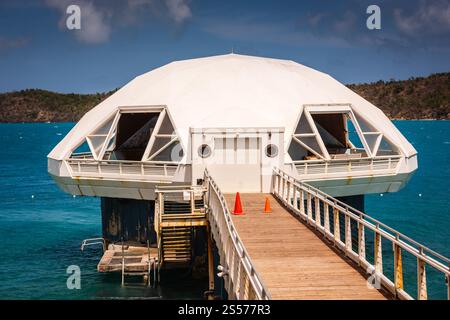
x: 41, y: 227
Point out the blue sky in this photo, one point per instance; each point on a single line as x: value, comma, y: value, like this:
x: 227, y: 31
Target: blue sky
x: 120, y: 39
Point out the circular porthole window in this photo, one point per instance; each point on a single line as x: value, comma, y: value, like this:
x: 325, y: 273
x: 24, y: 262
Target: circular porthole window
x: 204, y: 151
x: 271, y: 150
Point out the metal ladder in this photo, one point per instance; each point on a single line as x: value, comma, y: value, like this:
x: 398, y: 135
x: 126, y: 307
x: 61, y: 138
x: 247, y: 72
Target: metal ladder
x: 146, y: 275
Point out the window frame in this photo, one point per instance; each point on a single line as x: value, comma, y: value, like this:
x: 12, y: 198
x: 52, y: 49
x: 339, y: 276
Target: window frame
x: 147, y: 157
x: 346, y: 109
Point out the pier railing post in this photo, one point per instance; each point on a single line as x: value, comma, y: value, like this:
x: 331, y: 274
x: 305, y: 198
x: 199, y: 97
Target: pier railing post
x: 302, y: 202
x: 421, y: 280
x: 348, y: 233
x: 295, y: 198
x: 361, y: 242
x: 337, y: 231
x: 378, y: 253
x: 288, y: 191
x: 398, y: 268
x: 326, y: 217
x: 317, y: 212
x: 309, y: 207
x: 278, y: 184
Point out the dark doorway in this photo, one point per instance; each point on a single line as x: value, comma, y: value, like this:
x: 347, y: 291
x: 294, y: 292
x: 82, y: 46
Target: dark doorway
x: 332, y: 130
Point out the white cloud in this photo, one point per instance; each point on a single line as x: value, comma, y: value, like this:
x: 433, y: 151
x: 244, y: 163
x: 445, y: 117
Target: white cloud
x: 178, y: 10
x: 99, y: 17
x: 431, y: 17
x: 94, y: 25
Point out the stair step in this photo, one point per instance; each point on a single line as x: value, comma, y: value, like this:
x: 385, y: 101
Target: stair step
x: 180, y: 233
x: 177, y: 253
x: 128, y: 273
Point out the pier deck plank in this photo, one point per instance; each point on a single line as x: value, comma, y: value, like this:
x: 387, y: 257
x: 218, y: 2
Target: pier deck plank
x: 292, y: 260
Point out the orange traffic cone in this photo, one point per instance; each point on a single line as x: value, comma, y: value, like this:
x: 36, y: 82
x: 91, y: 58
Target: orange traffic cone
x: 238, y: 205
x: 267, y: 208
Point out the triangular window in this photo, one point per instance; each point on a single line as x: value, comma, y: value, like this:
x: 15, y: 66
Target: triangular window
x: 94, y: 143
x: 306, y: 138
x: 82, y: 150
x: 164, y: 145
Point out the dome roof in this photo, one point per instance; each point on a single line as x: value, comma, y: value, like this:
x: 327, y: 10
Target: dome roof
x: 231, y: 91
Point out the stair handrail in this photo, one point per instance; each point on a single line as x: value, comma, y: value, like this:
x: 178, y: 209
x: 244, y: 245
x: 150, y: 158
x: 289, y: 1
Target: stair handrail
x: 93, y: 241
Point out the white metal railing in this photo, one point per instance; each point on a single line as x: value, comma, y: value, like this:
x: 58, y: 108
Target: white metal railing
x: 240, y: 277
x: 378, y: 165
x: 93, y: 241
x: 179, y: 202
x: 325, y: 214
x: 119, y: 169
x: 83, y: 155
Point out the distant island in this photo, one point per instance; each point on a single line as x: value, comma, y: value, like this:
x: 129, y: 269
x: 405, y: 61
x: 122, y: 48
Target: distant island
x: 415, y: 98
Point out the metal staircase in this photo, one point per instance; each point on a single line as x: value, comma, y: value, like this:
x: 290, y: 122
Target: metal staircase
x: 178, y: 210
x: 176, y: 244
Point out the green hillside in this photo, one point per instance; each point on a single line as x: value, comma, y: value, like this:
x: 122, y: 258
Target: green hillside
x: 415, y: 98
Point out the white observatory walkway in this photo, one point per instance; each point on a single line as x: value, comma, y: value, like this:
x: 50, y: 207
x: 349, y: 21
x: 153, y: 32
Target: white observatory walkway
x: 311, y: 246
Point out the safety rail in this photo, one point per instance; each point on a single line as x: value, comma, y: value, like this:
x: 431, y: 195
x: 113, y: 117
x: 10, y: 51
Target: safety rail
x: 380, y: 165
x: 82, y: 155
x: 178, y: 203
x: 119, y: 169
x: 314, y: 207
x: 241, y: 279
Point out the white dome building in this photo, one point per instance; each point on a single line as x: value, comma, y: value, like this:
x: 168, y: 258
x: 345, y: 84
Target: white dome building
x: 239, y: 116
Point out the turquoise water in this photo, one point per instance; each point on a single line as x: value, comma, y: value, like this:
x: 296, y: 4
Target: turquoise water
x: 42, y: 227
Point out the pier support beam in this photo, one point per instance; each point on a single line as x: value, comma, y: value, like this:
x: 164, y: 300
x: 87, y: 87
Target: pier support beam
x: 211, y: 274
x: 356, y: 202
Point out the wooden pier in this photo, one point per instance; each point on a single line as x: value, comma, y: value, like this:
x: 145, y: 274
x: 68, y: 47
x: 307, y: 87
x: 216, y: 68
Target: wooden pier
x: 292, y: 260
x: 310, y: 246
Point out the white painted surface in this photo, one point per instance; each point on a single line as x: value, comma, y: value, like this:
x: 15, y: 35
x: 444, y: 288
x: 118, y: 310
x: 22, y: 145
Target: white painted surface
x: 238, y: 161
x: 231, y: 91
